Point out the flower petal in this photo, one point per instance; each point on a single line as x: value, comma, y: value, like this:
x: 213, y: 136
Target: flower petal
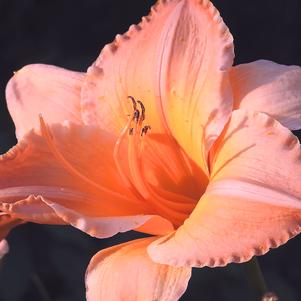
x: 4, y: 248
x: 253, y: 201
x: 271, y: 88
x: 43, y: 89
x: 168, y: 168
x: 6, y: 224
x: 170, y: 180
x: 103, y: 227
x: 107, y: 277
x: 89, y: 186
x: 175, y: 62
x: 31, y: 209
x: 31, y: 168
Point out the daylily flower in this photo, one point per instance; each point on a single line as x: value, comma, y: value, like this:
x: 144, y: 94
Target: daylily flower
x: 163, y: 136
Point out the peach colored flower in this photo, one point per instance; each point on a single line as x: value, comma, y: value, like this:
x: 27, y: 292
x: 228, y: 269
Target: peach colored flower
x: 4, y: 248
x: 199, y: 162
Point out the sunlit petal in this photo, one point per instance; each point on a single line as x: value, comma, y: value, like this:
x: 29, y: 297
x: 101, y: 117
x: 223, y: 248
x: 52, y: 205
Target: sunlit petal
x: 271, y: 88
x: 253, y: 201
x: 126, y: 272
x: 30, y: 209
x: 102, y: 226
x: 175, y: 62
x: 90, y: 185
x: 43, y: 89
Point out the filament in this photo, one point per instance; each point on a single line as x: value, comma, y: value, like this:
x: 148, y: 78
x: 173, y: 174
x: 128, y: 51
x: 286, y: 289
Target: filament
x: 53, y: 148
x: 141, y: 183
x: 116, y: 153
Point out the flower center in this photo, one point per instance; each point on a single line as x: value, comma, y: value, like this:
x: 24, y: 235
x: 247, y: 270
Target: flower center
x: 134, y: 136
x: 147, y: 167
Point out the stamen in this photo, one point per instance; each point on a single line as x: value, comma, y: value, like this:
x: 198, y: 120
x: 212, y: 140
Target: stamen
x: 142, y: 111
x: 172, y: 197
x: 160, y: 160
x: 145, y: 130
x: 46, y: 133
x: 136, y: 116
x: 141, y: 183
x: 134, y: 102
x: 134, y: 169
x: 116, y: 152
x: 177, y: 211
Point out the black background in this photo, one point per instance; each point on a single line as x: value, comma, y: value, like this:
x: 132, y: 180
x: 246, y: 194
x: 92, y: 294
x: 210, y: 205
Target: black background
x: 48, y: 262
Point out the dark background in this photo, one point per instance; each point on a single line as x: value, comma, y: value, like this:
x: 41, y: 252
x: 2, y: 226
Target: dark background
x: 48, y: 262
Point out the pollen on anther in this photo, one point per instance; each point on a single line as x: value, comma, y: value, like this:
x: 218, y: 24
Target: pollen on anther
x: 145, y: 129
x: 133, y: 102
x: 142, y: 111
x: 136, y: 116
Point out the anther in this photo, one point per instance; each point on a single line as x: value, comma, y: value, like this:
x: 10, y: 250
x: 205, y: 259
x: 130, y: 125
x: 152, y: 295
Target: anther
x: 136, y: 116
x: 133, y: 102
x: 142, y: 111
x: 145, y: 129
